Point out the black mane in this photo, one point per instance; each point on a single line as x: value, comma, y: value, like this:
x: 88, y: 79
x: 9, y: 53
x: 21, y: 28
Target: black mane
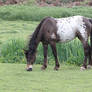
x: 32, y: 42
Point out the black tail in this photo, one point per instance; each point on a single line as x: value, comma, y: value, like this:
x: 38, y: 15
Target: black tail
x: 32, y: 43
x: 90, y: 21
x: 91, y: 35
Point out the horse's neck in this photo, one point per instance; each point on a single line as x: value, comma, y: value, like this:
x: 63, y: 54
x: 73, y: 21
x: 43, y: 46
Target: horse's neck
x: 33, y: 44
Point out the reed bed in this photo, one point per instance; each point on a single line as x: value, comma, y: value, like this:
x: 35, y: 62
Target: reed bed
x: 12, y: 52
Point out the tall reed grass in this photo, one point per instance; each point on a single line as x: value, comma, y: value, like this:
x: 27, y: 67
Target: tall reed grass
x: 12, y: 52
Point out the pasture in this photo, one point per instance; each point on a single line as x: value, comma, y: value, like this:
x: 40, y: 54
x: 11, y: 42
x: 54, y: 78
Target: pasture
x: 14, y: 78
x: 15, y: 35
x: 17, y: 22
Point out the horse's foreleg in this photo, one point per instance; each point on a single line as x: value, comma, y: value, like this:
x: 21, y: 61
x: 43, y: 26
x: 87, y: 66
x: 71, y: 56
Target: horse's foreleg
x: 45, y: 51
x: 86, y: 54
x: 53, y: 46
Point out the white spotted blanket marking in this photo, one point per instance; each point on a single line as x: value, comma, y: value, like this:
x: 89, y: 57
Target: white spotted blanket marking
x: 67, y: 28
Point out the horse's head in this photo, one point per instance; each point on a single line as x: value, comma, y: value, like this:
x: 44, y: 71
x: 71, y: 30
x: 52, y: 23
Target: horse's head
x: 30, y: 57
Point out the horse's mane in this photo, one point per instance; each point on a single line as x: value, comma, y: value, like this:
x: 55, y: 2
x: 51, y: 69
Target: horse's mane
x: 32, y: 42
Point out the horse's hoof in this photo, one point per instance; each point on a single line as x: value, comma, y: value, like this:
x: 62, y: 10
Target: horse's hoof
x: 29, y: 69
x: 56, y: 68
x: 43, y: 68
x: 82, y: 68
x: 89, y: 66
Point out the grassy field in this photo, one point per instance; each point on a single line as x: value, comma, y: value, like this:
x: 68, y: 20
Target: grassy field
x: 14, y: 78
x: 35, y: 13
x: 16, y: 29
x: 17, y: 22
x: 14, y: 36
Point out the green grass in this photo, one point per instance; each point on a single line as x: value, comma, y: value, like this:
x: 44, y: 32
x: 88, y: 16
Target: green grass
x: 14, y: 36
x: 35, y: 13
x: 15, y: 28
x: 14, y: 78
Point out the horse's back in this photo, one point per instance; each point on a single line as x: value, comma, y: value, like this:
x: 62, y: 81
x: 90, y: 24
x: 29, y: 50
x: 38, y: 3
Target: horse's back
x: 67, y: 27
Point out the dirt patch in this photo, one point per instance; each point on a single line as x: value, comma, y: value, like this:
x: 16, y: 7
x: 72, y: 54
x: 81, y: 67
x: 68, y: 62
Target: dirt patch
x: 68, y: 3
x: 7, y: 2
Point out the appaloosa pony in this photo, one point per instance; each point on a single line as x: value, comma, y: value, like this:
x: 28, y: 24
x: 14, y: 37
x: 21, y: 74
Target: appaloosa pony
x: 54, y: 30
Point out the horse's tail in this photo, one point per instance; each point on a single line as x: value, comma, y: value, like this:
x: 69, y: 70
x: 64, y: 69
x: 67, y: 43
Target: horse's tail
x: 90, y: 20
x: 32, y: 43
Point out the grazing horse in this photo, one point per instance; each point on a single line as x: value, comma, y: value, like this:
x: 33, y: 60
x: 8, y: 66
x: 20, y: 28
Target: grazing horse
x: 54, y: 30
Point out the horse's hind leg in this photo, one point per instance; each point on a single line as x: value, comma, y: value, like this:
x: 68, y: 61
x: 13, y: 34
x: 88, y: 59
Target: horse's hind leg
x: 90, y: 59
x: 86, y: 54
x: 45, y: 51
x: 84, y: 39
x: 53, y: 47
